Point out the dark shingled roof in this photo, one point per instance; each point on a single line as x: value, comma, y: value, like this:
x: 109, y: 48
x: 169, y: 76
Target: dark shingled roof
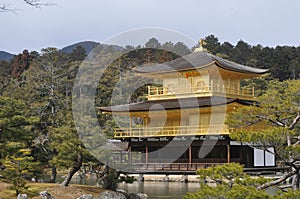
x: 198, y: 60
x: 171, y: 104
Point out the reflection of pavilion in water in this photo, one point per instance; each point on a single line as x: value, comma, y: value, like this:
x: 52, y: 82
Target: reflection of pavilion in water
x: 183, y: 119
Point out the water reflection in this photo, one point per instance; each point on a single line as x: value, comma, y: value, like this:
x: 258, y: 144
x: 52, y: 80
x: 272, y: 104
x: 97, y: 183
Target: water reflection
x: 156, y: 190
x: 84, y: 181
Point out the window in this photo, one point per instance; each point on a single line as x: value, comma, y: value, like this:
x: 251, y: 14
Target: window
x: 201, y: 86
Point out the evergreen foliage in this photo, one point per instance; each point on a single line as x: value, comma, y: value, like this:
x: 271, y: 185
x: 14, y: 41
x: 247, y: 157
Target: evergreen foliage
x: 228, y: 181
x: 277, y: 111
x: 16, y: 158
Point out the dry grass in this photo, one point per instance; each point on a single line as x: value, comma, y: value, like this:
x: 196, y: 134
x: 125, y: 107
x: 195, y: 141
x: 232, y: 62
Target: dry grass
x: 70, y: 192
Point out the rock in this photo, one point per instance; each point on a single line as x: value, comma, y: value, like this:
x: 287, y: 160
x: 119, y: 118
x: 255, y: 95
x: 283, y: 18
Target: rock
x: 111, y: 195
x: 46, y: 195
x: 22, y: 196
x: 132, y: 196
x: 184, y: 178
x: 137, y: 196
x: 209, y: 180
x: 86, y: 196
x: 166, y: 179
x: 142, y: 195
x: 121, y: 191
x: 140, y: 178
x: 109, y: 182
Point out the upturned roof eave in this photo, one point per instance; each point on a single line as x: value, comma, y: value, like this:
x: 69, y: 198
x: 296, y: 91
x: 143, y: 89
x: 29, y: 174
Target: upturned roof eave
x: 207, y: 60
x: 145, y: 106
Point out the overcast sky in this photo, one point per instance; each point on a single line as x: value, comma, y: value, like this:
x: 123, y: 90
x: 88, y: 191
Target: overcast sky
x: 265, y: 22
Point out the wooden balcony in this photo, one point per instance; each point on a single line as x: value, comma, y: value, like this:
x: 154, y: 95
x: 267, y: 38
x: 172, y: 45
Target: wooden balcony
x: 171, y: 131
x: 214, y: 89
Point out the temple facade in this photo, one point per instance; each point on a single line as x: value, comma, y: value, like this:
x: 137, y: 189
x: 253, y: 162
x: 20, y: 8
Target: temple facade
x: 182, y: 121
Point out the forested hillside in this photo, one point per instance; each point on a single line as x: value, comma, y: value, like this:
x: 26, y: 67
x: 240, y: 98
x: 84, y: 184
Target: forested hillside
x: 283, y: 61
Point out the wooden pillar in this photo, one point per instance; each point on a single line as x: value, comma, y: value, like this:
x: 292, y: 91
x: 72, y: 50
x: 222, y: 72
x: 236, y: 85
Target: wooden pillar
x: 130, y: 124
x: 190, y: 154
x: 146, y: 151
x: 228, y: 153
x: 228, y: 150
x: 129, y: 154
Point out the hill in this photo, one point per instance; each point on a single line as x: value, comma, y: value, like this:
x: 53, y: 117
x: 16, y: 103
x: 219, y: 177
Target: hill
x: 6, y: 56
x: 88, y: 46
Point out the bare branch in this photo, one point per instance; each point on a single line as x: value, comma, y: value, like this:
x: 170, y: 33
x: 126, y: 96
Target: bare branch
x: 33, y: 3
x: 5, y: 8
x: 37, y: 3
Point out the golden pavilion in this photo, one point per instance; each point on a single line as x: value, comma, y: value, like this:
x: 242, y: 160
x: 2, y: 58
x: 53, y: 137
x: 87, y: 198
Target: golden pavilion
x: 183, y: 118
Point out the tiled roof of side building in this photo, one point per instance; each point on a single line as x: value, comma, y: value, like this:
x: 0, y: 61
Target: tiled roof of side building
x: 198, y: 60
x: 172, y: 104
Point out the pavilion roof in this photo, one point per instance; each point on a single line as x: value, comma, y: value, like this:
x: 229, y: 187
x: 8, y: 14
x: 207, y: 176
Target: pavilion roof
x: 197, y: 60
x: 173, y: 104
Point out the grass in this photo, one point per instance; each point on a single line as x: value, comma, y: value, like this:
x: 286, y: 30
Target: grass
x: 70, y: 192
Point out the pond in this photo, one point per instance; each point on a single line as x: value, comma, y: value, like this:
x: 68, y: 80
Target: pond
x: 154, y: 189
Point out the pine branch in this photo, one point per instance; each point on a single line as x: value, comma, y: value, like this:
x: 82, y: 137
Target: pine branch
x: 283, y: 187
x: 298, y: 141
x: 275, y: 182
x: 295, y: 121
x: 278, y: 123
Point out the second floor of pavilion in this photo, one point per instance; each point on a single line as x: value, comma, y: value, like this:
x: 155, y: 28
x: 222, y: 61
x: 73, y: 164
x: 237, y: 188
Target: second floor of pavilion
x: 199, y: 74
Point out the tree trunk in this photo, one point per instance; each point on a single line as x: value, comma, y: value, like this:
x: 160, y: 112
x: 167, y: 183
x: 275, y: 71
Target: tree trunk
x: 73, y: 170
x: 53, y: 175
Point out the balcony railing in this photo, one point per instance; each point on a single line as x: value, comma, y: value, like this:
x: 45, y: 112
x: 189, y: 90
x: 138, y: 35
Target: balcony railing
x: 171, y: 131
x: 213, y: 89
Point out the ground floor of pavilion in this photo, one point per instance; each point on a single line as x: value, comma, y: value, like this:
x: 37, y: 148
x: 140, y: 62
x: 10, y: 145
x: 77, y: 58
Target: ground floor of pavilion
x: 190, y: 153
